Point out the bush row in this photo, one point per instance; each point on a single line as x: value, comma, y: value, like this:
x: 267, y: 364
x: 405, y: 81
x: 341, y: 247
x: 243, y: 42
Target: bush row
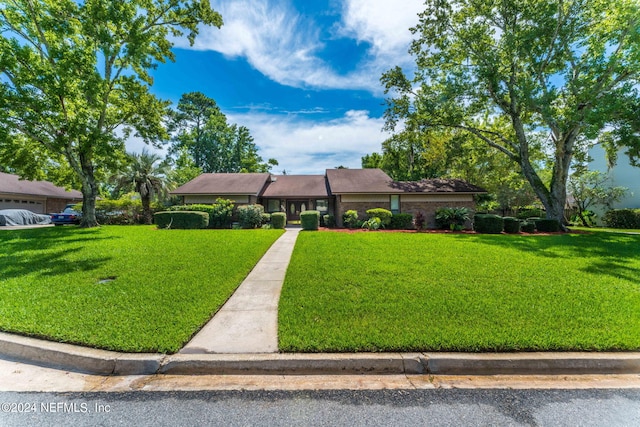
x: 495, y: 224
x: 622, y: 218
x: 376, y: 218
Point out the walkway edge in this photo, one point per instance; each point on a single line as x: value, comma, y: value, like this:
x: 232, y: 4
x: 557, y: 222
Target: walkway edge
x: 102, y: 362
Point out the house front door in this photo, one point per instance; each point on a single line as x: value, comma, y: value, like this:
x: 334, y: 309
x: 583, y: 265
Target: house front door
x: 294, y: 207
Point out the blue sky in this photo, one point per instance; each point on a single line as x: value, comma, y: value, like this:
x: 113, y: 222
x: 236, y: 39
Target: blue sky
x: 302, y: 75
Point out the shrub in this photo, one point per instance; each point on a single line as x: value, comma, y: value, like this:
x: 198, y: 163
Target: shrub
x: 622, y: 218
x: 350, y: 219
x: 310, y: 220
x: 488, y: 223
x: 401, y: 221
x: 548, y: 225
x: 220, y: 213
x: 528, y: 227
x: 530, y: 212
x: 250, y: 216
x: 266, y: 218
x: 383, y: 214
x: 373, y: 223
x: 511, y: 225
x: 329, y: 220
x: 122, y: 211
x: 278, y: 220
x: 419, y: 221
x: 451, y: 218
x: 181, y: 219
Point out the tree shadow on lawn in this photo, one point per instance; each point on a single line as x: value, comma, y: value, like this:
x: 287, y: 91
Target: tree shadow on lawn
x: 45, y: 251
x: 609, y: 254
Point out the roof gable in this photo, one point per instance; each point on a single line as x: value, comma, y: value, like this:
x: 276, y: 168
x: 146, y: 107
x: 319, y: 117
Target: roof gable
x: 225, y: 184
x: 297, y: 186
x: 12, y: 184
x: 358, y: 181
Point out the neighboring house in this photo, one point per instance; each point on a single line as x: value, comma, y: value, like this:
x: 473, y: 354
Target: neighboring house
x: 334, y: 193
x: 623, y: 174
x: 40, y: 197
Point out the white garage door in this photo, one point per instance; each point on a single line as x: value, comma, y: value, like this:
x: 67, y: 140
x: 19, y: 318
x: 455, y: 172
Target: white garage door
x: 31, y: 205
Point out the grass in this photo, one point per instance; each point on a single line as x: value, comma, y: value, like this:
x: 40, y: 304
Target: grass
x: 165, y: 283
x: 605, y: 229
x: 433, y: 292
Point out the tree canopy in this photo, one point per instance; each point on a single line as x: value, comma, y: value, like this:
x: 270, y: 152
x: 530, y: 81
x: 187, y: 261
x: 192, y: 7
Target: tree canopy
x: 524, y: 76
x: 214, y: 145
x: 74, y: 81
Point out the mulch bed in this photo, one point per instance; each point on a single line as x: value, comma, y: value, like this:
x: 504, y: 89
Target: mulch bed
x: 434, y: 231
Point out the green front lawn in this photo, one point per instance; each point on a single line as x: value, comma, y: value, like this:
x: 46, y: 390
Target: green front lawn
x: 461, y: 292
x: 166, y: 283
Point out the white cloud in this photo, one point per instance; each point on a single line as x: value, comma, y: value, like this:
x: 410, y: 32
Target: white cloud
x: 383, y: 23
x: 304, y: 147
x: 300, y: 145
x: 283, y: 45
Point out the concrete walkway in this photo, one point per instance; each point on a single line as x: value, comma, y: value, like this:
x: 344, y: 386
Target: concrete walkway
x: 248, y: 322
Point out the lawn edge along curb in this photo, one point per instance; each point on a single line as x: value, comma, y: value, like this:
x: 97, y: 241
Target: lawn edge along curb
x: 102, y: 362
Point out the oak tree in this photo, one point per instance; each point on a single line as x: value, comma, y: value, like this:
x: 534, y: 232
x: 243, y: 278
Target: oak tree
x: 508, y: 71
x: 75, y: 79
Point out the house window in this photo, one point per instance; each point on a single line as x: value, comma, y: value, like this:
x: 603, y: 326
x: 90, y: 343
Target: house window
x: 322, y: 205
x: 273, y: 205
x: 395, y: 203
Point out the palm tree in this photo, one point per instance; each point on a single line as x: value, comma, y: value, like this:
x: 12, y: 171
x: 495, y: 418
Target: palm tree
x: 145, y: 176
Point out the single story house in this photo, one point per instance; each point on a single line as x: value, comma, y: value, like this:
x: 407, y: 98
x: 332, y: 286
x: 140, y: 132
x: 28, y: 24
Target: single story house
x: 335, y: 192
x: 41, y: 197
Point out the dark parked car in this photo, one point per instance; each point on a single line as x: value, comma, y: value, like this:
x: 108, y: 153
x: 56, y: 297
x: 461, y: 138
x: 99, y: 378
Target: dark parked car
x: 67, y: 216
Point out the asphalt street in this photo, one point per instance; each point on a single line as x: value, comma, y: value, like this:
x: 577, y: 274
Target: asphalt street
x: 326, y: 408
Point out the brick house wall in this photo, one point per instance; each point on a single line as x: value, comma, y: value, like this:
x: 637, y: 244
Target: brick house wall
x: 428, y: 209
x: 360, y: 203
x: 409, y: 203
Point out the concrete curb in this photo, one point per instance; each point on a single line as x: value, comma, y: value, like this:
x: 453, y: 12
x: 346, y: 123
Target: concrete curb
x: 101, y: 362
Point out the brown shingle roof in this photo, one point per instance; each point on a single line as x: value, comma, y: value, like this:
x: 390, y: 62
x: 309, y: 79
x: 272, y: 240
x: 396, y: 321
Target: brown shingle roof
x: 437, y: 186
x: 297, y: 186
x: 12, y: 184
x: 225, y: 184
x: 360, y: 181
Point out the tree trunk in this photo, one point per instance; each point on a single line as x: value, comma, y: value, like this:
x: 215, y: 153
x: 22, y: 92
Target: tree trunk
x: 146, y: 210
x: 553, y: 198
x: 89, y: 193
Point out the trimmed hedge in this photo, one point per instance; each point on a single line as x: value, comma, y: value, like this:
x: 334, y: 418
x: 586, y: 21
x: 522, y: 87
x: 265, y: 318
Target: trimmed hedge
x: 220, y: 213
x: 511, y: 225
x: 383, y: 214
x: 488, y: 223
x: 310, y: 220
x: 622, y: 218
x: 528, y: 227
x: 401, y: 221
x: 278, y: 220
x: 548, y: 225
x: 181, y: 219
